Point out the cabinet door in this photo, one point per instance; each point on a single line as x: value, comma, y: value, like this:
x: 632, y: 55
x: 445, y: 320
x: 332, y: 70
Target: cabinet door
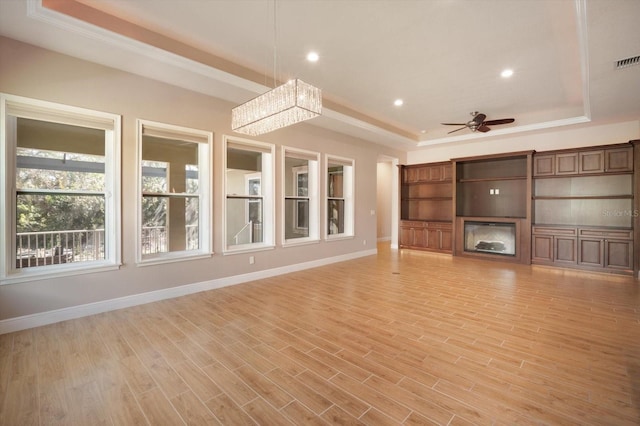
x: 565, y: 250
x: 618, y: 160
x: 618, y: 254
x: 446, y: 240
x: 447, y: 172
x: 435, y: 173
x: 544, y: 165
x: 542, y: 248
x: 591, y: 161
x: 411, y: 174
x: 419, y: 237
x: 406, y: 236
x: 433, y: 239
x: 567, y: 164
x: 591, y: 252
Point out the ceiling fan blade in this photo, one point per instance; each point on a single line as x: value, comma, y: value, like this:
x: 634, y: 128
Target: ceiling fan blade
x: 501, y: 121
x: 483, y: 128
x: 454, y: 124
x: 457, y: 129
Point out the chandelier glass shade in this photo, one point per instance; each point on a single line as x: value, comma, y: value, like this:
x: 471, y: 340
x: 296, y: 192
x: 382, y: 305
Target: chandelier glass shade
x: 290, y: 103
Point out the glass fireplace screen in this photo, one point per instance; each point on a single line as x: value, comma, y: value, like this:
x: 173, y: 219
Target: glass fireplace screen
x: 490, y: 237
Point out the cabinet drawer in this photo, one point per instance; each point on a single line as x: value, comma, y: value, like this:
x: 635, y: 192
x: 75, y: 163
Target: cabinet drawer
x: 548, y: 230
x: 439, y: 225
x: 606, y: 233
x: 412, y: 224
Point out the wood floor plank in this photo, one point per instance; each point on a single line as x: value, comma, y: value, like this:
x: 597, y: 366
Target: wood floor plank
x: 301, y: 415
x: 228, y: 412
x: 402, y: 337
x: 158, y: 409
x: 192, y: 410
x: 311, y: 399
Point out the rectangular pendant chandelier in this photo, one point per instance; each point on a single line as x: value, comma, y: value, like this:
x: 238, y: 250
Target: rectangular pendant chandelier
x: 290, y: 103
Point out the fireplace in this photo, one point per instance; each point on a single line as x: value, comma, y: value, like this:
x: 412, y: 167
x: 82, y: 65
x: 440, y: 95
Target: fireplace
x: 497, y: 238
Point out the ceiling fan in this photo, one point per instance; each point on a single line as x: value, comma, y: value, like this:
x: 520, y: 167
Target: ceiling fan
x: 478, y: 123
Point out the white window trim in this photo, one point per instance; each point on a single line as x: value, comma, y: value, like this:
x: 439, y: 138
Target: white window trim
x: 18, y: 106
x: 314, y: 198
x: 204, y: 190
x: 268, y: 194
x: 349, y: 197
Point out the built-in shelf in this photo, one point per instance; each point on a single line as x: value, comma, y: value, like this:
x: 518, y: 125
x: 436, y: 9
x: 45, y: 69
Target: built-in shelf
x: 493, y: 179
x: 574, y: 208
x: 583, y: 205
x: 426, y: 192
x: 585, y: 197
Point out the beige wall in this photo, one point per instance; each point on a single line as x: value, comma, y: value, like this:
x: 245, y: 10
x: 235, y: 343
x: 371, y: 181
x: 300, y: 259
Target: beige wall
x: 558, y: 138
x: 33, y: 72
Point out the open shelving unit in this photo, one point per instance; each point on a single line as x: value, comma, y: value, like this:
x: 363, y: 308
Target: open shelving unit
x: 583, y: 203
x: 425, y: 211
x: 493, y: 191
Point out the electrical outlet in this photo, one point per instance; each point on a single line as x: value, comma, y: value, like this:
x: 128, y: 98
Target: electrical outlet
x: 364, y: 242
x: 252, y: 260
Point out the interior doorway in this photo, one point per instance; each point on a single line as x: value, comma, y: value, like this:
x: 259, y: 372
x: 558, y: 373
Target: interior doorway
x: 387, y: 200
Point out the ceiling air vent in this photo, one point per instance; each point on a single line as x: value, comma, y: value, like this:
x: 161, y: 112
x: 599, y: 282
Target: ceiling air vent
x: 628, y: 62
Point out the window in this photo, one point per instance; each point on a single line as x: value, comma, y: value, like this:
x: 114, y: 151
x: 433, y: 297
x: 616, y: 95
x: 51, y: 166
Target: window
x: 60, y: 209
x: 249, y: 207
x: 301, y: 212
x: 339, y: 188
x: 174, y: 175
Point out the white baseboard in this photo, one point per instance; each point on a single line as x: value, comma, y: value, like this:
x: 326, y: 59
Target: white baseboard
x: 43, y: 318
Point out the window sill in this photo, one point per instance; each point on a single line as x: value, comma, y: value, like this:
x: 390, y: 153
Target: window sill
x: 300, y: 242
x: 248, y: 249
x: 56, y: 271
x: 172, y: 258
x: 339, y: 237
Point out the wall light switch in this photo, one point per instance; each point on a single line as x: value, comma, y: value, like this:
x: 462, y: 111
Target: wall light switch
x: 497, y: 191
x: 491, y: 192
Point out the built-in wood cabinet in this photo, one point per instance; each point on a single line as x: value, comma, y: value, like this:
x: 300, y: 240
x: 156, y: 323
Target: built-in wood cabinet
x: 425, y: 207
x: 554, y: 245
x: 492, y: 190
x: 434, y: 236
x: 492, y: 186
x: 591, y: 161
x: 583, y: 211
x: 594, y: 248
x: 575, y: 208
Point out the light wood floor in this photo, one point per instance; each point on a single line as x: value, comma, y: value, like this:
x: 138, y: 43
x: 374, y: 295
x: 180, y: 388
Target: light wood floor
x: 399, y: 338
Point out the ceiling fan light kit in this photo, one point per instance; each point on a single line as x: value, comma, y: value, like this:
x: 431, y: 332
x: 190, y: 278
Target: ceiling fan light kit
x: 478, y: 123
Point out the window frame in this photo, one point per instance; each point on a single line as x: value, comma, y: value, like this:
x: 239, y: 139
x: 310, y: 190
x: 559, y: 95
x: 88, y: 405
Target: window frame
x: 13, y: 107
x: 348, y: 185
x: 313, y: 195
x: 204, y: 140
x: 267, y: 185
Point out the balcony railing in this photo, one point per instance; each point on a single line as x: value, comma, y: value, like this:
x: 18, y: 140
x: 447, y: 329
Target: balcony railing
x: 55, y: 247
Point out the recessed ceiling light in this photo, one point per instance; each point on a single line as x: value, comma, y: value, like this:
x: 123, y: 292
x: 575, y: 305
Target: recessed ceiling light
x: 506, y: 73
x: 313, y: 57
x: 398, y: 102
